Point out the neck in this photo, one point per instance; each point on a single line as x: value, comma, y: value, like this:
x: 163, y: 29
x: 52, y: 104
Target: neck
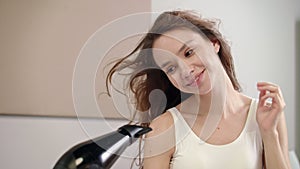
x: 232, y: 103
x: 231, y: 100
x: 196, y: 104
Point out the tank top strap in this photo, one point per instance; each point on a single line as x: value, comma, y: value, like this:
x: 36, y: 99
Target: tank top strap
x: 181, y: 127
x: 251, y: 124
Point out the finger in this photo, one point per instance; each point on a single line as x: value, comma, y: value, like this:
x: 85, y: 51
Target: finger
x: 265, y: 100
x: 265, y: 84
x: 276, y: 102
x: 268, y: 96
x: 269, y: 88
x: 262, y: 93
x: 260, y: 101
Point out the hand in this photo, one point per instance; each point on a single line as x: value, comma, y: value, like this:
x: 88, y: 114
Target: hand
x: 269, y: 112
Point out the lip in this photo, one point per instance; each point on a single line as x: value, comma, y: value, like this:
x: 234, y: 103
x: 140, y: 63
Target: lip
x: 197, y: 79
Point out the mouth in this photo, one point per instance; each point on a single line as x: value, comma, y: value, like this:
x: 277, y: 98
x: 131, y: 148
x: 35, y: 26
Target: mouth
x: 197, y: 79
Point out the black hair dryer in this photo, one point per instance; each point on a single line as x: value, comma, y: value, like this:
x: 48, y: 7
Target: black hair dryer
x: 101, y: 152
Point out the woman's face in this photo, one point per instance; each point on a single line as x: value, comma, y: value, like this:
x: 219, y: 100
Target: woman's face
x: 185, y: 56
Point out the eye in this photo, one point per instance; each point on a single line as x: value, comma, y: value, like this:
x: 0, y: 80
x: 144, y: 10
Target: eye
x: 170, y: 69
x: 189, y: 53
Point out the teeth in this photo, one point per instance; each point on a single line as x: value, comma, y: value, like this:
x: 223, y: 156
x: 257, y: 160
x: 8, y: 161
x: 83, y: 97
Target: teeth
x: 195, y: 80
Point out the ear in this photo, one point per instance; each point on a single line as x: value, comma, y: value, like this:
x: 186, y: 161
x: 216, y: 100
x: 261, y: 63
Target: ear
x: 216, y: 45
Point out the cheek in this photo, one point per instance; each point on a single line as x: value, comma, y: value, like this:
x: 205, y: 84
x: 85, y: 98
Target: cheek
x: 175, y: 81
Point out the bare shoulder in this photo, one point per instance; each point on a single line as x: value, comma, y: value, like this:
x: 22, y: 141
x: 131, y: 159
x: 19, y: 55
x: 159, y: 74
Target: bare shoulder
x: 161, y: 124
x: 160, y: 142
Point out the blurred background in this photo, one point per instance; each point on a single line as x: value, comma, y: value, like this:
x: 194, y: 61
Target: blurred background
x: 42, y: 39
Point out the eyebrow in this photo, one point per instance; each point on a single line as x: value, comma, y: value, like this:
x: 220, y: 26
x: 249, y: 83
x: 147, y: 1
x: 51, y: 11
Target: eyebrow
x: 184, y: 46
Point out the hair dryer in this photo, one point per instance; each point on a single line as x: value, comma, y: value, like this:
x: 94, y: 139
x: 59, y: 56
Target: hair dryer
x: 101, y: 152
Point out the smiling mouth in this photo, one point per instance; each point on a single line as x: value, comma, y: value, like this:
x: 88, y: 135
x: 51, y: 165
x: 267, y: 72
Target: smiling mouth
x: 196, y: 80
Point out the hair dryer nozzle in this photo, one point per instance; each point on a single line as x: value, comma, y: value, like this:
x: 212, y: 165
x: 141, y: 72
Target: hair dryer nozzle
x: 134, y: 131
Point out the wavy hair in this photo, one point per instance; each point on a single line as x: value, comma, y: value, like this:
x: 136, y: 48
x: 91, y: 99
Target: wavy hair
x: 143, y: 81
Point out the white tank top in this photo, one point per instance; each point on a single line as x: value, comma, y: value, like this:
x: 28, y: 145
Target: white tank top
x: 192, y: 153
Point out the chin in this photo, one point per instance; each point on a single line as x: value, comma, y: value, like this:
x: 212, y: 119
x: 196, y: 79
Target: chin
x: 204, y: 91
x: 199, y: 91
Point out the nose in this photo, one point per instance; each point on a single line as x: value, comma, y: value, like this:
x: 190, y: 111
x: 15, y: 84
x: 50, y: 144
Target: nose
x: 187, y: 70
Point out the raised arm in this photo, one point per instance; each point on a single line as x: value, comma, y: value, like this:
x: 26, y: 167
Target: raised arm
x: 271, y: 120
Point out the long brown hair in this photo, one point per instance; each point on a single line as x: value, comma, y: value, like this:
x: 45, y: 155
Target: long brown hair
x: 144, y: 81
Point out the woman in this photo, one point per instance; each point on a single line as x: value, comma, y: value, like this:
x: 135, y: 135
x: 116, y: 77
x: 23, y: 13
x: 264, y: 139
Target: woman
x: 198, y: 116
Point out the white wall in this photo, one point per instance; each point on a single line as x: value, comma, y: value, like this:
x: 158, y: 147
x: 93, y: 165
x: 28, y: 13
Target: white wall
x: 262, y: 38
